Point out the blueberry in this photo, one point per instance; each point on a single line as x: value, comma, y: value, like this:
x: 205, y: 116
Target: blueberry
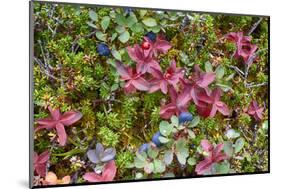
x: 143, y: 148
x: 184, y: 117
x: 151, y: 35
x: 103, y: 49
x: 128, y: 11
x: 155, y: 139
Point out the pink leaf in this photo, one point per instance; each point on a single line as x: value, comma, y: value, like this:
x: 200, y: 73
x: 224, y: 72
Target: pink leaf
x: 61, y: 134
x: 55, y: 113
x: 70, y: 117
x: 203, y: 166
x: 109, y: 171
x: 121, y: 69
x: 206, y: 145
x: 92, y: 177
x: 140, y: 84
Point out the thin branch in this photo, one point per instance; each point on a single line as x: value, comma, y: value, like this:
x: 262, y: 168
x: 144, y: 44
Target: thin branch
x: 255, y: 26
x: 43, y: 69
x: 237, y: 70
x: 256, y: 85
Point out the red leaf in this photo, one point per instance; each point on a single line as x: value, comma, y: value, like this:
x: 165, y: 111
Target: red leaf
x: 61, y: 134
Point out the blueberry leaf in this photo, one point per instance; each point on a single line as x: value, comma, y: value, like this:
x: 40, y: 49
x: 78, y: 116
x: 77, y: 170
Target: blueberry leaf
x: 228, y: 148
x: 124, y: 37
x: 165, y: 128
x: 101, y: 36
x: 152, y: 152
x: 93, y: 15
x: 150, y: 22
x: 194, y: 122
x: 163, y: 140
x: 168, y: 157
x: 239, y: 144
x: 116, y: 54
x: 105, y: 22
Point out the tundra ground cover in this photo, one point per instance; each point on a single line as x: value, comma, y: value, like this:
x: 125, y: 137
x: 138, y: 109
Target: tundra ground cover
x: 126, y: 94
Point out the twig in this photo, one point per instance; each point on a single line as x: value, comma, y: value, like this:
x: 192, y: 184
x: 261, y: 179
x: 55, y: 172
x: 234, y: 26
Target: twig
x: 240, y: 72
x: 255, y: 26
x: 256, y: 85
x: 44, y: 69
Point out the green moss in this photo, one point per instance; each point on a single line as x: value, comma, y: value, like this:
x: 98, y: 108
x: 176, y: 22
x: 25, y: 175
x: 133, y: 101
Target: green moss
x: 108, y: 137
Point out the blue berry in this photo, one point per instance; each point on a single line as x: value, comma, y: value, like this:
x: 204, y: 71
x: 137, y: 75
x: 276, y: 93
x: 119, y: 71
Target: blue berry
x: 128, y: 11
x: 103, y: 49
x: 185, y: 117
x: 155, y: 139
x: 151, y: 35
x: 143, y: 148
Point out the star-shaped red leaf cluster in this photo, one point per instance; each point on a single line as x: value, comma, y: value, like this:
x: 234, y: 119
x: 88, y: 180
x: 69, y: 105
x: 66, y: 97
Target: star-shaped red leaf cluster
x: 58, y: 122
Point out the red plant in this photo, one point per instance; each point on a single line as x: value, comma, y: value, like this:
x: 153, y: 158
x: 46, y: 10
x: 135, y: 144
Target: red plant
x: 143, y: 58
x: 214, y: 156
x: 177, y: 105
x: 160, y: 45
x: 197, y: 83
x: 134, y: 80
x: 215, y: 104
x: 244, y: 48
x: 58, y: 121
x: 162, y: 80
x: 40, y: 163
x: 108, y: 173
x: 255, y: 110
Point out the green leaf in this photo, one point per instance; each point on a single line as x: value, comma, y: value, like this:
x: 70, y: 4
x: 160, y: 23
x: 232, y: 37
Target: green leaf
x: 152, y: 152
x: 194, y: 122
x: 231, y: 133
x: 137, y: 28
x: 191, y: 161
x: 121, y: 19
x: 91, y: 25
x: 148, y: 168
x: 163, y: 140
x: 124, y: 37
x: 113, y: 37
x: 116, y: 54
x: 143, y: 12
x: 239, y: 144
x: 114, y: 87
x: 105, y: 22
x: 165, y: 128
x: 93, y: 15
x: 208, y: 67
x: 265, y: 125
x: 228, y: 148
x: 120, y: 29
x: 150, y: 22
x: 101, y: 36
x: 222, y: 168
x: 139, y: 163
x: 168, y: 157
x: 191, y: 134
x: 181, y: 151
x: 219, y: 72
x: 175, y: 121
x: 159, y: 166
x: 139, y: 176
x: 142, y: 156
x: 224, y: 87
x: 131, y: 20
